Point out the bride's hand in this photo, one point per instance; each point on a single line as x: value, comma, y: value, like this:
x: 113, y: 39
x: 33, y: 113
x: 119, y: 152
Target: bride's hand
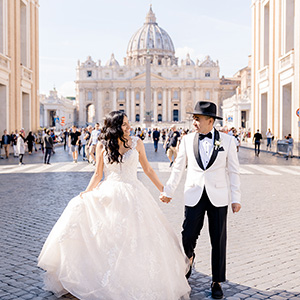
x: 82, y: 194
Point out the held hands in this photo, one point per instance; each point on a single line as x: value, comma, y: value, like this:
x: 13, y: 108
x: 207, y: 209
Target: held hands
x: 164, y: 198
x: 236, y: 207
x: 81, y: 194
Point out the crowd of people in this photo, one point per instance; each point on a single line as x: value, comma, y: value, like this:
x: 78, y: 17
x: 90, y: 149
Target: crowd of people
x: 84, y: 140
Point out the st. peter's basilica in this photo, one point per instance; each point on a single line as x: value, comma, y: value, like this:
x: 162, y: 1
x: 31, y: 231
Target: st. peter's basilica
x: 174, y: 88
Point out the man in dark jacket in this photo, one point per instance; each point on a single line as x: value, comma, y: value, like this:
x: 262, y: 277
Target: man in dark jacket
x: 48, y: 146
x: 5, y: 142
x: 155, y: 136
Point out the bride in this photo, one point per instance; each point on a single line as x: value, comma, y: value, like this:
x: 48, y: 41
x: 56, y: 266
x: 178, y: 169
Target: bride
x: 112, y: 241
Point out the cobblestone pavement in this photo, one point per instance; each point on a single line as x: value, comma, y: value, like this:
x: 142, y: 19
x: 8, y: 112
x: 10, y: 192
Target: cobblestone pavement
x: 263, y: 256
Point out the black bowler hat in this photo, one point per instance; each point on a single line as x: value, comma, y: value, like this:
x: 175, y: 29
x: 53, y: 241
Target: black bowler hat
x: 206, y: 108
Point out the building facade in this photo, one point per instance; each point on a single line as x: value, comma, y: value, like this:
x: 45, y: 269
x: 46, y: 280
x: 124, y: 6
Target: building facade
x: 55, y: 111
x: 237, y: 108
x: 175, y: 87
x: 19, y: 65
x: 276, y: 66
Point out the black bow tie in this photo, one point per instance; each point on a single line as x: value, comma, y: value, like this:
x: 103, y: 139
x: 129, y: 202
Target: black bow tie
x: 202, y: 136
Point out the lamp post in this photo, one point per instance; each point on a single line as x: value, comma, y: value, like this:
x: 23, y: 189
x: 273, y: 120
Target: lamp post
x: 148, y: 91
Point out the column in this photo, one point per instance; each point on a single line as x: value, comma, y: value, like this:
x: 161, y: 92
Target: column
x: 45, y: 117
x: 169, y: 105
x: 182, y: 105
x: 142, y: 107
x: 127, y: 103
x: 164, y: 108
x: 114, y: 99
x: 99, y: 105
x: 155, y: 106
x: 132, y: 106
x: 81, y: 107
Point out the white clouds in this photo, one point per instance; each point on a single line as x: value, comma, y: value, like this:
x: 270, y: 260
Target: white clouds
x: 67, y: 89
x: 182, y: 52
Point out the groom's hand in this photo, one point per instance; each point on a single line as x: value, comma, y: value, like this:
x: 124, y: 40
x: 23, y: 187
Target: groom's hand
x: 236, y: 207
x: 164, y: 198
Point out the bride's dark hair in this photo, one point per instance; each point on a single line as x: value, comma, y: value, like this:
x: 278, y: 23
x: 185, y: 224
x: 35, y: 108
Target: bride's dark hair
x: 111, y: 132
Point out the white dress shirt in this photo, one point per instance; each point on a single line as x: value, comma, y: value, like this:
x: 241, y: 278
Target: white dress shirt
x: 206, y: 147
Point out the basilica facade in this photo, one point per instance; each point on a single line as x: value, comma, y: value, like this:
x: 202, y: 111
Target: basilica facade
x: 175, y: 86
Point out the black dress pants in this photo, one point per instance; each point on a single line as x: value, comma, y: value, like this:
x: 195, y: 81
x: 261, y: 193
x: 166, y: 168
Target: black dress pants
x: 47, y: 156
x: 217, y: 223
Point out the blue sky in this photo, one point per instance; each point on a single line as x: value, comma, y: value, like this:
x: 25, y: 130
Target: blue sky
x: 71, y: 30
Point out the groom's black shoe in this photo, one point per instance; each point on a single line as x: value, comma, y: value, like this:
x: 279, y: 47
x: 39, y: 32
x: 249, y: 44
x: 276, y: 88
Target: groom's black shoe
x: 188, y: 274
x: 216, y: 290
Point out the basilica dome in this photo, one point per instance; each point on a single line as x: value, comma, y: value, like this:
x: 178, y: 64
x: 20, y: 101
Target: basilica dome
x: 150, y: 39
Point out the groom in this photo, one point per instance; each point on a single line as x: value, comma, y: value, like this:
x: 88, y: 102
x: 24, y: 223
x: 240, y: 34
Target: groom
x: 212, y: 181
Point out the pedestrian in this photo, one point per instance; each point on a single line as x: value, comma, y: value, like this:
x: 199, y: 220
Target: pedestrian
x: 163, y: 136
x: 256, y: 138
x: 236, y: 139
x: 290, y: 142
x: 172, y: 143
x: 5, y: 142
x: 21, y: 146
x: 79, y: 140
x: 73, y: 143
x: 87, y: 138
x: 65, y: 139
x: 155, y: 136
x: 113, y: 241
x: 30, y: 140
x: 14, y: 138
x: 83, y: 142
x: 269, y: 135
x: 53, y: 135
x: 48, y: 147
x: 93, y: 143
x: 149, y: 133
x: 212, y: 177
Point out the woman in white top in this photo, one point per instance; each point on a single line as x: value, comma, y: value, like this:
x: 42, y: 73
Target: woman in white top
x: 21, y: 146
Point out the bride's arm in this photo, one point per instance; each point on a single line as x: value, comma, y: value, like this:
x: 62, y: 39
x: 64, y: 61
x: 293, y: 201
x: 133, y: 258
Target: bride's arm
x: 98, y: 174
x: 146, y: 166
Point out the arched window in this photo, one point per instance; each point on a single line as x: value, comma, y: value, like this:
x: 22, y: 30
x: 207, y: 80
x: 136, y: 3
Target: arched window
x: 159, y: 96
x: 159, y: 118
x: 207, y: 95
x: 121, y: 95
x: 137, y: 117
x: 137, y: 96
x: 175, y: 115
x: 175, y: 96
x: 207, y: 73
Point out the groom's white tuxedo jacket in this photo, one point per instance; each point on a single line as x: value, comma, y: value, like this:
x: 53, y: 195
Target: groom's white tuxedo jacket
x: 221, y: 177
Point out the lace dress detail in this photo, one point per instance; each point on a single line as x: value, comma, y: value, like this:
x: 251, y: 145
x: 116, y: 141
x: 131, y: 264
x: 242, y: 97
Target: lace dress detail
x: 115, y: 243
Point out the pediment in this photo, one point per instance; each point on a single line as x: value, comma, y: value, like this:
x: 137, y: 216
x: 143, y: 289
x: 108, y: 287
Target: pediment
x: 208, y: 62
x: 89, y: 63
x: 142, y: 77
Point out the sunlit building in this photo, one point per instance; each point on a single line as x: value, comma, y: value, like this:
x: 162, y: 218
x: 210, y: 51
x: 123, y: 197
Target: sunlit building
x: 276, y: 66
x: 55, y: 111
x: 19, y: 65
x: 237, y: 108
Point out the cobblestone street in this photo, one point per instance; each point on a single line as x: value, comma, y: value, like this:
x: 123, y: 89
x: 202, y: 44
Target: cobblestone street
x: 263, y: 256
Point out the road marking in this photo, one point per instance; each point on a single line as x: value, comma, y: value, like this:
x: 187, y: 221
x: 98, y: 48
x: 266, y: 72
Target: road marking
x: 88, y: 168
x: 162, y: 167
x: 285, y: 169
x: 245, y: 172
x: 262, y: 169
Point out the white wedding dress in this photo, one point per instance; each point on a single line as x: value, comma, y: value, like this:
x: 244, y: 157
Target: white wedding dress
x: 115, y: 243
